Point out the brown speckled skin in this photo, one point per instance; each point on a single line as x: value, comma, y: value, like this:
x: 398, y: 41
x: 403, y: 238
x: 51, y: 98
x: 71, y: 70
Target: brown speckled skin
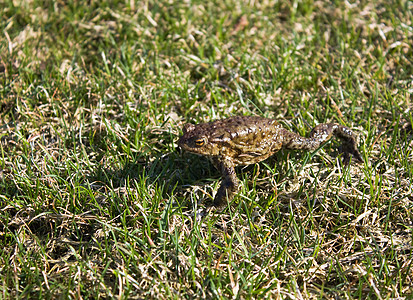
x: 245, y: 140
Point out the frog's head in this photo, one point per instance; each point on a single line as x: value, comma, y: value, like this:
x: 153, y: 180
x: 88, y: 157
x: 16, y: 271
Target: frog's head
x: 196, y: 139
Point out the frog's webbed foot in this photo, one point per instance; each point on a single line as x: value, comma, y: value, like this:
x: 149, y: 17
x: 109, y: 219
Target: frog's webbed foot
x: 229, y: 185
x: 349, y: 145
x: 323, y: 132
x: 349, y: 149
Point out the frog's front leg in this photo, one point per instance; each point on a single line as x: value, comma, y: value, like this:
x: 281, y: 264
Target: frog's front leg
x: 230, y: 182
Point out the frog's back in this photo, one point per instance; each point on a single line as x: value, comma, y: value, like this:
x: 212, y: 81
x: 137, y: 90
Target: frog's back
x: 243, y: 129
x: 246, y: 139
x: 243, y: 139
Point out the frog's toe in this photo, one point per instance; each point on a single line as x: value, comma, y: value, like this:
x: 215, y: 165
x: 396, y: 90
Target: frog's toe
x: 353, y: 151
x: 219, y: 202
x: 358, y: 156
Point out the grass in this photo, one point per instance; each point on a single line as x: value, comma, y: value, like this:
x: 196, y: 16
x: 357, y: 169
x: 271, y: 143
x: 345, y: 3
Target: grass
x: 97, y: 202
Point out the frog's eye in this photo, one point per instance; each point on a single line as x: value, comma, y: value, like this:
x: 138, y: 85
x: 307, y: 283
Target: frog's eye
x: 200, y: 142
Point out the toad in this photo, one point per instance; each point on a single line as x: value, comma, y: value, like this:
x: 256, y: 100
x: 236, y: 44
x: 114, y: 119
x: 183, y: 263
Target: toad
x: 245, y: 140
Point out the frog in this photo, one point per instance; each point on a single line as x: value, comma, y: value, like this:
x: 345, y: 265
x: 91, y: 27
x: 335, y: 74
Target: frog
x: 245, y: 140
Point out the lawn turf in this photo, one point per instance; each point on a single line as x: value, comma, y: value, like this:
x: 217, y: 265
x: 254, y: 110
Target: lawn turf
x: 96, y: 201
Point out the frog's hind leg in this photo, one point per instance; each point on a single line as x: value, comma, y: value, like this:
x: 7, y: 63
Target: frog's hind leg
x: 321, y: 134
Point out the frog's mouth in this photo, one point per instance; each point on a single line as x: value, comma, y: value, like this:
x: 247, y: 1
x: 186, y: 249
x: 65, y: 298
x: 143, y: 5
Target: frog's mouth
x: 182, y: 143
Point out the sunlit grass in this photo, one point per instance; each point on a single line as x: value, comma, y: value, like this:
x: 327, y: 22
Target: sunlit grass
x: 96, y: 201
